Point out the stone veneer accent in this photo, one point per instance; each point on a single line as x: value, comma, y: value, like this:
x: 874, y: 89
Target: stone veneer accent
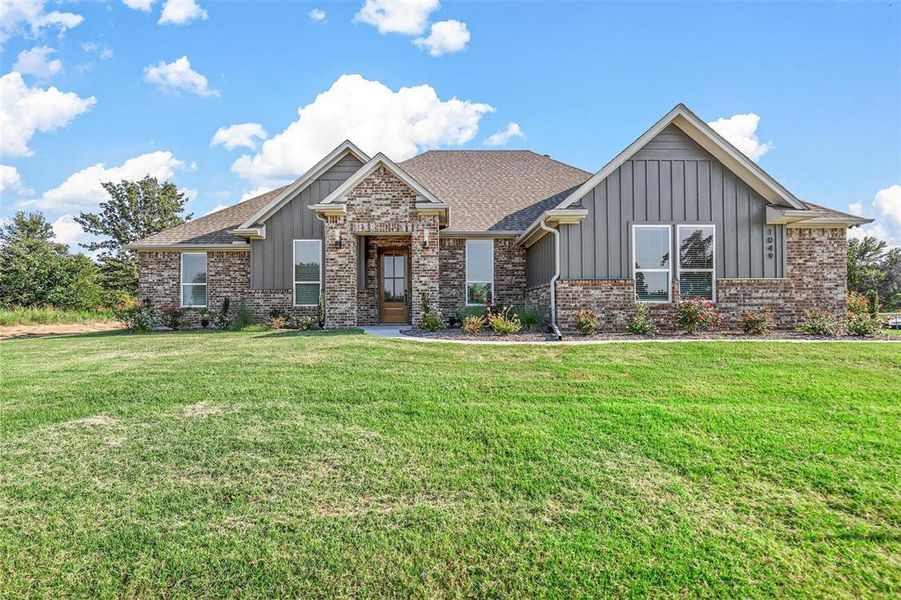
x: 509, y: 274
x: 816, y: 271
x: 228, y: 276
x: 380, y: 203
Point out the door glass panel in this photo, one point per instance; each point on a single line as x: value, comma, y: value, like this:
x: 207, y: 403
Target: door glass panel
x: 399, y: 264
x: 388, y: 266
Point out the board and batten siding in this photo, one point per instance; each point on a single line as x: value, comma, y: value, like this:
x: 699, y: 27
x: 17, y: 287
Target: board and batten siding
x: 672, y: 180
x: 540, y: 262
x: 271, y: 259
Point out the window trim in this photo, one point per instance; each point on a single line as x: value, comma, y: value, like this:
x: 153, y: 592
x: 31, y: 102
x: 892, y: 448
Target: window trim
x: 668, y: 270
x: 466, y: 280
x: 294, y: 280
x: 182, y: 284
x: 711, y: 270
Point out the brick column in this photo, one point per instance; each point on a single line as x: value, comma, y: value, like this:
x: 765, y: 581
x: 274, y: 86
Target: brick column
x: 424, y: 270
x: 340, y: 275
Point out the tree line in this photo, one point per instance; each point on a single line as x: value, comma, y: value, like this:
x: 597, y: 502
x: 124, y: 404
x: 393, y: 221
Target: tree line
x: 37, y: 271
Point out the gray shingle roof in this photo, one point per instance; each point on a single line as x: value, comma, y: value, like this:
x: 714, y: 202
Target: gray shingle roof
x: 213, y: 228
x: 830, y: 213
x: 494, y: 190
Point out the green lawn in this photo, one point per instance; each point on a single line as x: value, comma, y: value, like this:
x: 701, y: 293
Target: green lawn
x: 264, y: 464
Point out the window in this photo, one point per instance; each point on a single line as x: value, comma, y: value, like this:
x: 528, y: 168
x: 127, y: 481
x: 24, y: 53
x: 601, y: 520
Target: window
x: 193, y: 279
x: 307, y: 272
x: 479, y: 271
x: 651, y: 262
x: 697, y: 244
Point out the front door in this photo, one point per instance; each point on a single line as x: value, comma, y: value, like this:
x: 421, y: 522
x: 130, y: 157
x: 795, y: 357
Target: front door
x: 393, y: 296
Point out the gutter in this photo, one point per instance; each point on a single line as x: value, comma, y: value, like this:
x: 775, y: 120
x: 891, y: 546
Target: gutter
x: 554, y: 279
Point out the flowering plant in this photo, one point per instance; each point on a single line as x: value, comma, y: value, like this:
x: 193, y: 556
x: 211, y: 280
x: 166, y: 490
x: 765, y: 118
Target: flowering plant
x: 698, y: 314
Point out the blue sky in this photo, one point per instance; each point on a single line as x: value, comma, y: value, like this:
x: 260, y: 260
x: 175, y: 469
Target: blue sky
x: 579, y: 80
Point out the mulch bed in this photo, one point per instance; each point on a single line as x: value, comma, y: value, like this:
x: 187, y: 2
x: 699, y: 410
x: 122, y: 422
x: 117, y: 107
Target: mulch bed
x: 530, y: 336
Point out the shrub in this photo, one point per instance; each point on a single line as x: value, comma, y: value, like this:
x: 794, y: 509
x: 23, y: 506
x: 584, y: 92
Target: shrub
x: 320, y: 310
x: 172, y: 315
x: 223, y: 320
x: 858, y: 304
x: 873, y: 300
x: 429, y: 320
x: 473, y: 324
x: 206, y: 317
x: 862, y: 324
x: 642, y: 323
x: 243, y: 317
x: 698, y: 314
x: 305, y: 323
x: 819, y: 322
x: 471, y: 311
x: 278, y: 318
x: 140, y: 318
x: 757, y: 322
x: 530, y: 317
x: 586, y: 322
x: 504, y: 322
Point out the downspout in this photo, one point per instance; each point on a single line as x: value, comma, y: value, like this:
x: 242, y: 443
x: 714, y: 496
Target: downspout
x: 556, y: 276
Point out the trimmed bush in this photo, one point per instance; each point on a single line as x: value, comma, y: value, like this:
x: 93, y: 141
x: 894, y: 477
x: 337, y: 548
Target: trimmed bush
x: 819, y: 322
x: 586, y: 322
x: 862, y: 325
x: 172, y: 315
x: 223, y: 319
x: 430, y: 322
x: 305, y: 323
x: 140, y: 318
x: 757, y: 322
x: 642, y: 323
x: 698, y: 314
x: 873, y: 300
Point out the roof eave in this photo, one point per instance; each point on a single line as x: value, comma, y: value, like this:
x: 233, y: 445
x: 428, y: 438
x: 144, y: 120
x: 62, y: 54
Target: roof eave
x: 176, y: 247
x: 553, y: 218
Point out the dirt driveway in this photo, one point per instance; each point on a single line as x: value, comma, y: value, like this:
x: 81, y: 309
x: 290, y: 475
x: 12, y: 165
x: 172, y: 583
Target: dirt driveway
x: 24, y: 331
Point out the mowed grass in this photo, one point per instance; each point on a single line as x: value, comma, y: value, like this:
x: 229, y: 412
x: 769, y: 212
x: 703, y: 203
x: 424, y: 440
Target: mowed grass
x: 282, y: 464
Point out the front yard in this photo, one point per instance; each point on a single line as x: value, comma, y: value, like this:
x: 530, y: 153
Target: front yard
x: 337, y: 465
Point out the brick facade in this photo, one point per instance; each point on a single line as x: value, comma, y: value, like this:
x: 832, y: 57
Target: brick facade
x: 228, y: 276
x: 816, y: 269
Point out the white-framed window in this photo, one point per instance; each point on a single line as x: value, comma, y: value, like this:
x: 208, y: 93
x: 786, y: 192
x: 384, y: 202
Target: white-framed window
x: 479, y: 272
x: 193, y: 279
x: 307, y: 272
x: 651, y: 264
x: 697, y: 261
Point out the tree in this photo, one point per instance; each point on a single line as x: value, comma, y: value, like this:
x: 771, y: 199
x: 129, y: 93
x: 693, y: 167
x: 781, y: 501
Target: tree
x: 135, y: 210
x: 36, y: 271
x: 865, y: 268
x: 890, y: 287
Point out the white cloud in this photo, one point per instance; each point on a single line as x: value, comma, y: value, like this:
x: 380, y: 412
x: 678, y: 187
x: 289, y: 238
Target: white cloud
x: 178, y: 76
x: 741, y: 131
x: 888, y: 202
x: 181, y: 12
x: 67, y: 231
x: 102, y: 52
x: 257, y: 191
x: 11, y: 182
x: 25, y: 110
x: 17, y: 16
x: 243, y: 134
x: 408, y: 17
x: 216, y: 208
x: 82, y: 190
x: 36, y: 62
x: 505, y: 135
x: 856, y: 208
x: 317, y: 15
x: 445, y: 37
x: 369, y: 113
x: 143, y: 5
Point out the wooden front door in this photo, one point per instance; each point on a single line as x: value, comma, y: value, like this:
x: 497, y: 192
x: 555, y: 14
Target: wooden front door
x: 393, y: 293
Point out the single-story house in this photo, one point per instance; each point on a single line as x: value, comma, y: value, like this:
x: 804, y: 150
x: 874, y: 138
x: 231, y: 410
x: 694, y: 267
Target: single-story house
x: 679, y: 213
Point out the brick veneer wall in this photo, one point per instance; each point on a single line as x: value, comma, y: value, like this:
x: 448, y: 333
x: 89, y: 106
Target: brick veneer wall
x: 228, y: 276
x: 816, y: 272
x: 509, y: 274
x: 380, y: 203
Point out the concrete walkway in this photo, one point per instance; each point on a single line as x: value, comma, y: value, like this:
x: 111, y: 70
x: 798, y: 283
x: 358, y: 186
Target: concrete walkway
x: 394, y: 332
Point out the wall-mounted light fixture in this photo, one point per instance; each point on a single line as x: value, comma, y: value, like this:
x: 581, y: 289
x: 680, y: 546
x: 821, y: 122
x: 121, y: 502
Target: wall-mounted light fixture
x: 425, y: 238
x: 337, y: 238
